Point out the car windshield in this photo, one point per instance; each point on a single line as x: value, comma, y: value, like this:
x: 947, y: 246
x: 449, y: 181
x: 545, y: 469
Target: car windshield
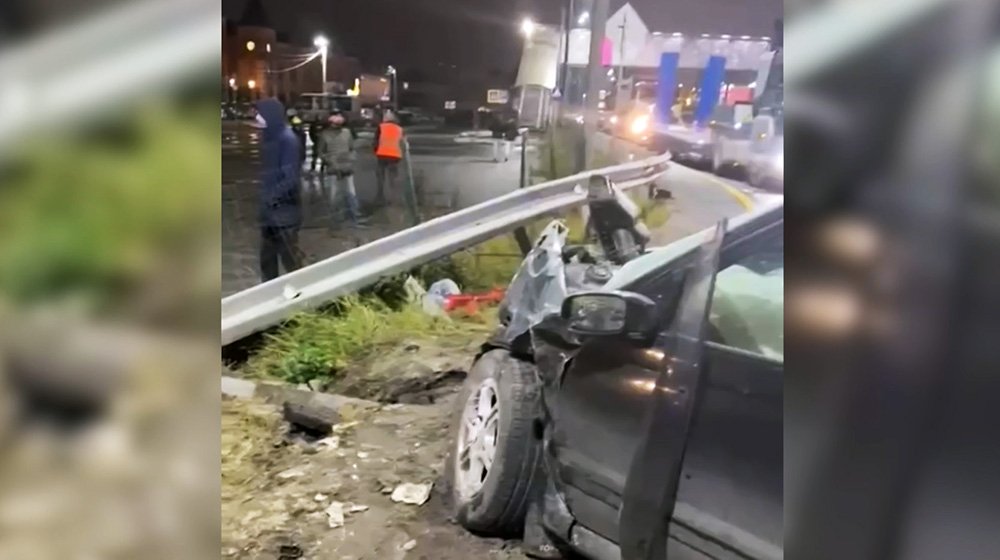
x: 748, y: 307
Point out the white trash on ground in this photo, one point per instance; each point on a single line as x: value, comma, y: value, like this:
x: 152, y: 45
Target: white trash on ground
x: 410, y: 493
x: 335, y: 514
x: 433, y: 301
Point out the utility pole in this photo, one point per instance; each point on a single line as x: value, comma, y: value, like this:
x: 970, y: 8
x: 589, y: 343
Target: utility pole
x: 621, y: 50
x: 323, y: 88
x: 567, y: 22
x: 595, y: 71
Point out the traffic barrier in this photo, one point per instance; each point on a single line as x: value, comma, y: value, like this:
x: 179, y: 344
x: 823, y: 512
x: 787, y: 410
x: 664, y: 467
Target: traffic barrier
x: 267, y: 304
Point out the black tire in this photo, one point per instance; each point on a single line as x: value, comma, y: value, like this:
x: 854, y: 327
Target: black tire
x: 498, y: 508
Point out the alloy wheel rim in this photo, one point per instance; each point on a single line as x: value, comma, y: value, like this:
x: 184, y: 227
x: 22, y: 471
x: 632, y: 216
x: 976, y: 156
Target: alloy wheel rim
x: 477, y: 438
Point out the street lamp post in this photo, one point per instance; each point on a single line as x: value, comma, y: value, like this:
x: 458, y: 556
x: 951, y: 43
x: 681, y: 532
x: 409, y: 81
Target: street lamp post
x: 395, y: 88
x: 323, y: 43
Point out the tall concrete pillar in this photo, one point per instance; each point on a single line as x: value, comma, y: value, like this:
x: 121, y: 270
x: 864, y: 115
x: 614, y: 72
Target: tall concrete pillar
x: 595, y: 74
x: 711, y: 84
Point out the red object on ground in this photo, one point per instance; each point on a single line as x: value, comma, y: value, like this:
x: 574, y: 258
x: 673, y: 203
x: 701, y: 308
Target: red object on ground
x: 470, y: 302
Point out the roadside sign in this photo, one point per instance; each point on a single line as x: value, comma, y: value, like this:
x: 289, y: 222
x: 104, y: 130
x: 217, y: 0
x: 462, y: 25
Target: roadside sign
x: 497, y: 96
x: 557, y: 94
x: 450, y: 105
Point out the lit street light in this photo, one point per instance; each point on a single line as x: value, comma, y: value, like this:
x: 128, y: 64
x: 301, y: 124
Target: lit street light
x: 528, y: 27
x: 323, y: 44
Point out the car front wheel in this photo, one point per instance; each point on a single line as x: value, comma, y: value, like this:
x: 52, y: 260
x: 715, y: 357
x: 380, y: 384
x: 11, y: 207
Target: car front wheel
x: 494, y: 455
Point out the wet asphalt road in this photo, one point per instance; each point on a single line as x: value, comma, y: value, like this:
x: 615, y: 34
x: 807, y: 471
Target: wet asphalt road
x: 450, y: 175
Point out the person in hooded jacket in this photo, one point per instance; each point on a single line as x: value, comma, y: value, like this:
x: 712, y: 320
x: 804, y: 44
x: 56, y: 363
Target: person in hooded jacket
x: 280, y: 201
x: 338, y: 153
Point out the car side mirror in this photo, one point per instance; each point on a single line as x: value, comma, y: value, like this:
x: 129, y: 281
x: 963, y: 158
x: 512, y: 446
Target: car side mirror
x: 610, y: 314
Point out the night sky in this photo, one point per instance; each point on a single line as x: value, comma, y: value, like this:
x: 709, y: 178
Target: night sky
x: 439, y: 38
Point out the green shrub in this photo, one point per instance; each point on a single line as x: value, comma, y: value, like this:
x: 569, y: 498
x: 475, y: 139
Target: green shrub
x: 318, y: 345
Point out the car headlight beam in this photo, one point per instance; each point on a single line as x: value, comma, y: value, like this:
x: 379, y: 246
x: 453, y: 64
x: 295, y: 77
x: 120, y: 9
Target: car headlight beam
x: 640, y: 124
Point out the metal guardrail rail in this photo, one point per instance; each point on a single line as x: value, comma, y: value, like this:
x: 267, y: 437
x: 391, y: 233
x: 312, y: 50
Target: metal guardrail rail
x: 268, y: 304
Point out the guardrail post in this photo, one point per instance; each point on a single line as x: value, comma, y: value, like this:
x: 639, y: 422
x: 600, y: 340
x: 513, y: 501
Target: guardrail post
x: 410, y: 190
x: 521, y: 234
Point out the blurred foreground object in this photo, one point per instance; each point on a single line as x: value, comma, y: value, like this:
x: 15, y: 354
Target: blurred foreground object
x: 890, y: 404
x: 109, y: 284
x: 77, y: 73
x: 105, y: 443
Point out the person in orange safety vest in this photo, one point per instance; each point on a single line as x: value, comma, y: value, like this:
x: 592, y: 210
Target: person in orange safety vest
x: 389, y: 152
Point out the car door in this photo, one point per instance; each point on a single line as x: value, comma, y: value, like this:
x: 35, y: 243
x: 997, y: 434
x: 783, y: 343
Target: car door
x: 724, y: 490
x: 601, y: 415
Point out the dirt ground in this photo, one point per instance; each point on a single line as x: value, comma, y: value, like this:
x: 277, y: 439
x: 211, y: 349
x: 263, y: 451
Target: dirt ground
x: 277, y: 487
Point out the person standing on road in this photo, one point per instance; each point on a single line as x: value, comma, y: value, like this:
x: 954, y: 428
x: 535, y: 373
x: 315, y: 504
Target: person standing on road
x: 336, y: 143
x: 389, y: 152
x: 280, y: 205
x: 504, y: 129
x: 315, y: 134
x: 298, y: 128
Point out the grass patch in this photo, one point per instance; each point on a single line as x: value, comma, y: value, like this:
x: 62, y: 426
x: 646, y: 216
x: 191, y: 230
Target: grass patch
x: 320, y: 345
x: 96, y: 214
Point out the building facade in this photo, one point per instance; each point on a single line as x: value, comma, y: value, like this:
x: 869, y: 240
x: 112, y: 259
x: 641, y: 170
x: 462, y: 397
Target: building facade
x: 259, y: 61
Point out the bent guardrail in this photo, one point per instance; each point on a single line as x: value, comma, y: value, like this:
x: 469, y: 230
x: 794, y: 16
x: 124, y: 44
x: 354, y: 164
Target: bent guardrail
x: 267, y: 304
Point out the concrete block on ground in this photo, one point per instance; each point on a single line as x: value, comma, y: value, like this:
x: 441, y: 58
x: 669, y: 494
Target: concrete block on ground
x: 238, y: 388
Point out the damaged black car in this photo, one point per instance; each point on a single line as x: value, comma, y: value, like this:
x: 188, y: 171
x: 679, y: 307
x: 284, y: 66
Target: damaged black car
x: 629, y: 405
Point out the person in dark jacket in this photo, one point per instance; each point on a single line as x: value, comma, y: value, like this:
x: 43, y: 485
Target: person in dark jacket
x: 280, y: 200
x: 315, y: 136
x: 504, y: 129
x: 299, y: 128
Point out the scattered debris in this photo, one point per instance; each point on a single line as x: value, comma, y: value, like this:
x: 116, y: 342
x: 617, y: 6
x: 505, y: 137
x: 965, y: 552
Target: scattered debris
x: 410, y: 493
x: 289, y: 552
x: 413, y: 289
x: 437, y: 295
x: 293, y: 472
x: 312, y: 417
x: 341, y: 428
x: 331, y: 442
x: 470, y: 303
x: 335, y: 515
x: 362, y: 455
x: 409, y: 545
x: 320, y: 497
x: 356, y: 508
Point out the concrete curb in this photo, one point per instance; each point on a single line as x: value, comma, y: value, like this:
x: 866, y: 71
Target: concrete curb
x: 279, y: 393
